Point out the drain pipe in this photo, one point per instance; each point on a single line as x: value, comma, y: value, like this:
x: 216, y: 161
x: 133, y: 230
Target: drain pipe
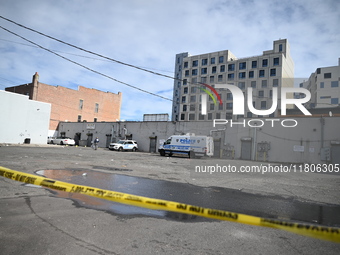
x: 254, y: 142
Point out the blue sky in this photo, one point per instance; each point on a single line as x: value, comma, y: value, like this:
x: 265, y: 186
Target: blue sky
x: 149, y: 33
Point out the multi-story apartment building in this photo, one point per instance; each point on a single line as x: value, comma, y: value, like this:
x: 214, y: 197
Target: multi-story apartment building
x: 274, y: 68
x: 324, y: 87
x: 80, y: 105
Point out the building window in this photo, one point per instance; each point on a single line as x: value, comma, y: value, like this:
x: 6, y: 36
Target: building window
x: 264, y: 62
x: 242, y: 75
x: 242, y: 85
x: 220, y: 107
x: 218, y: 115
x: 253, y: 84
x: 334, y: 84
x: 194, y: 80
x: 183, y: 99
x: 231, y: 76
x: 280, y: 47
x: 96, y: 108
x: 212, y: 79
x: 95, y: 120
x: 193, y: 89
x: 242, y: 65
x: 275, y: 82
x: 249, y: 115
x: 194, y: 72
x: 221, y: 59
x: 264, y: 84
x: 273, y: 72
x: 204, y: 79
x: 263, y: 105
x: 212, y: 107
x: 251, y: 74
x: 200, y: 116
x: 185, y: 90
x: 195, y: 63
x: 186, y: 73
x: 186, y: 64
x: 213, y: 70
x: 228, y: 116
x: 254, y: 64
x: 185, y: 82
x: 270, y: 93
x: 261, y: 73
x: 229, y: 106
x: 184, y: 108
x: 79, y: 118
x: 322, y: 85
x: 334, y: 100
x: 261, y: 93
x: 276, y: 61
x: 231, y: 67
x: 212, y: 61
x: 182, y: 116
x: 81, y: 104
x: 192, y: 107
x: 204, y: 70
x: 220, y: 78
x: 229, y: 96
x: 222, y: 68
x: 192, y: 99
x: 204, y: 62
x: 327, y: 75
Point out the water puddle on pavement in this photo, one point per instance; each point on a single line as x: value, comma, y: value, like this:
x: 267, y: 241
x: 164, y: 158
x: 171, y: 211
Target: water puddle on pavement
x: 269, y: 206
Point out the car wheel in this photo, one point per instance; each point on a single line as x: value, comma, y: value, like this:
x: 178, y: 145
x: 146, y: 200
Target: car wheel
x: 51, y: 142
x: 120, y: 149
x: 134, y: 149
x: 61, y: 143
x: 162, y: 152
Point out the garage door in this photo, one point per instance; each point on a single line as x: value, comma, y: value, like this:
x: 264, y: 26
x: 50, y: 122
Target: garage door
x: 335, y: 154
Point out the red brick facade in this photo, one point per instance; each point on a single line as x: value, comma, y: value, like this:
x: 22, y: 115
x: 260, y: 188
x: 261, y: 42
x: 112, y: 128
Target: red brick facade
x: 66, y: 103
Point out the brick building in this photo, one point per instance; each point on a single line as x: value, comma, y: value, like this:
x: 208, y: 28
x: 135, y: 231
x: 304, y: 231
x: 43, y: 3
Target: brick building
x: 84, y: 104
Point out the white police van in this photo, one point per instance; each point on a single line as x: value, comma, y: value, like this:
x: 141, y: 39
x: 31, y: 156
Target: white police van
x: 190, y: 145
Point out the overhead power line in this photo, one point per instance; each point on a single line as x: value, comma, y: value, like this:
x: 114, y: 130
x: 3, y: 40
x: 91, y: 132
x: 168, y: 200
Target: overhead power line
x: 92, y: 70
x: 78, y: 55
x: 90, y: 52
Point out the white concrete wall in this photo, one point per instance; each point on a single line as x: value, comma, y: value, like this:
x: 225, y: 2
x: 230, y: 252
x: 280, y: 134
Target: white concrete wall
x: 21, y: 118
x: 284, y: 141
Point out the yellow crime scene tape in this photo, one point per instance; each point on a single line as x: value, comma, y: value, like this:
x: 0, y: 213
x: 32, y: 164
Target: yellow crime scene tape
x: 316, y: 231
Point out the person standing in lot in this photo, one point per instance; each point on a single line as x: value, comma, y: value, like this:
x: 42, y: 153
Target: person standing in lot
x: 95, y: 143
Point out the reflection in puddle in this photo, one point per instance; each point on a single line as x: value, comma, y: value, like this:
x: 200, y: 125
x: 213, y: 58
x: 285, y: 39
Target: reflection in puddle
x: 267, y: 206
x: 120, y: 183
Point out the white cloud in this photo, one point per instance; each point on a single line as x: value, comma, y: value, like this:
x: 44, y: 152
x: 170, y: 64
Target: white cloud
x: 149, y: 33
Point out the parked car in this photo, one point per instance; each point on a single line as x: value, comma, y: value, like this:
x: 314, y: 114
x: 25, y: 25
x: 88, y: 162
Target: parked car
x: 124, y: 145
x: 63, y: 141
x: 50, y: 139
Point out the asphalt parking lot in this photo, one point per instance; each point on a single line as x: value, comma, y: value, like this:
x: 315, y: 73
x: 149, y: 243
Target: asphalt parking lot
x: 32, y: 218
